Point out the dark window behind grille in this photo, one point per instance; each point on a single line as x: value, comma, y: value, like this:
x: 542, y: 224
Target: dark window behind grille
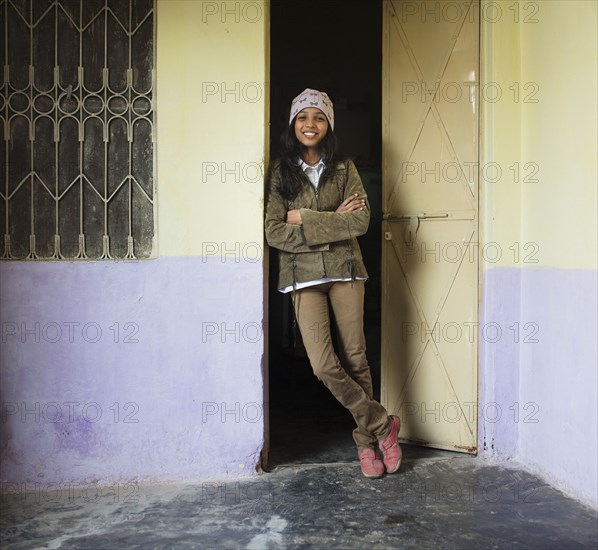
x: 77, y: 158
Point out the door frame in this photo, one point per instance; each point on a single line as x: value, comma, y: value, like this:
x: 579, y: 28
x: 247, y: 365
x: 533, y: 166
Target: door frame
x: 484, y: 202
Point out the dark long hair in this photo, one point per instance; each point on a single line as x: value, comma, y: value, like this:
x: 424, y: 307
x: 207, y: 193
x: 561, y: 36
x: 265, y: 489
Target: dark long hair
x: 292, y: 176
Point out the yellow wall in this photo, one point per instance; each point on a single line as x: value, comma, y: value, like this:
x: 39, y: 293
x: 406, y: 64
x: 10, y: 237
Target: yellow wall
x: 212, y: 101
x: 547, y: 58
x: 560, y: 133
x: 211, y: 126
x: 500, y: 143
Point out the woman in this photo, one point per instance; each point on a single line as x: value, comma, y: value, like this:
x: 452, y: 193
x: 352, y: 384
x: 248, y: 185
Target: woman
x: 316, y: 207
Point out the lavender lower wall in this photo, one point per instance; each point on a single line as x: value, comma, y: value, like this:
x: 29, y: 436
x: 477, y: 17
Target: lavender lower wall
x: 131, y: 370
x: 499, y: 363
x: 153, y: 371
x: 560, y: 375
x: 541, y: 374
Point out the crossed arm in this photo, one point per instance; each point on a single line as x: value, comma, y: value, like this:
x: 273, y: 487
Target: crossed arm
x: 306, y: 230
x: 350, y: 204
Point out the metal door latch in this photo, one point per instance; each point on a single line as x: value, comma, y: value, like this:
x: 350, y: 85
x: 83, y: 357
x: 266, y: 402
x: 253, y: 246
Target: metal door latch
x: 413, y: 219
x: 411, y: 231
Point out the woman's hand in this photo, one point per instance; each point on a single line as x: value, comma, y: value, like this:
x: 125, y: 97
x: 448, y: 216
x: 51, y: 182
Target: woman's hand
x: 294, y: 217
x: 351, y: 203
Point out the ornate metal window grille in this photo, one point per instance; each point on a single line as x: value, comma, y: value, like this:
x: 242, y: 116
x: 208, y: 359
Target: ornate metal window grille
x: 77, y: 159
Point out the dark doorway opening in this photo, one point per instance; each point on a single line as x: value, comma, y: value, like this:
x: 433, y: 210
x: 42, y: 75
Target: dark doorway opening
x: 335, y: 47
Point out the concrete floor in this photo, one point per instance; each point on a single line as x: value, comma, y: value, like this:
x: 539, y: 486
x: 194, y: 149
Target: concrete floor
x: 437, y: 501
x: 314, y: 498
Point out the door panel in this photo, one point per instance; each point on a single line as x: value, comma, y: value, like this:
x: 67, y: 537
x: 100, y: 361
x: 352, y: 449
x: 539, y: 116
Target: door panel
x: 430, y: 226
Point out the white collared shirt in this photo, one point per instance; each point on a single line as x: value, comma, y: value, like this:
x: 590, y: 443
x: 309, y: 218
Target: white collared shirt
x: 313, y: 172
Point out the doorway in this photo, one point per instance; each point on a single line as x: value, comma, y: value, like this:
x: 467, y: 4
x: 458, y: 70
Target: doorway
x: 404, y: 83
x: 335, y: 47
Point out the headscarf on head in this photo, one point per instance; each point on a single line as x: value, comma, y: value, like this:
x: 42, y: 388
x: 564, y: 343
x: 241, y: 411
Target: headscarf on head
x: 313, y: 98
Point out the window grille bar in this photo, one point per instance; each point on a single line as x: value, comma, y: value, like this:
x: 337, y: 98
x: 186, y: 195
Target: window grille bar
x: 76, y: 117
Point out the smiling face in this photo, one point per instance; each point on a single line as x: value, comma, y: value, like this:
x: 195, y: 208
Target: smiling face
x: 311, y: 126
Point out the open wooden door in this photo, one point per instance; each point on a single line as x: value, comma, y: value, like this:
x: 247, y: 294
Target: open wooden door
x: 430, y: 221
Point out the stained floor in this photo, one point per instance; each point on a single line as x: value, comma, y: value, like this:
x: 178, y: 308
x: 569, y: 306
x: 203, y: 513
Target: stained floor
x: 314, y: 498
x: 437, y: 501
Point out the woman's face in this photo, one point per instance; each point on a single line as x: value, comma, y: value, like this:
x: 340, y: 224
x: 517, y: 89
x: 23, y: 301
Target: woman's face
x: 311, y: 126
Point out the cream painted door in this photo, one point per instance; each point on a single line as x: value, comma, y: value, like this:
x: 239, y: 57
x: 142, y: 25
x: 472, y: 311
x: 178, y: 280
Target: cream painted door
x: 430, y: 222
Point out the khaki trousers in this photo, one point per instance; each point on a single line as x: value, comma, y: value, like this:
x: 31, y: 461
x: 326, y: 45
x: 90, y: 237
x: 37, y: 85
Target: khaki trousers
x: 348, y: 378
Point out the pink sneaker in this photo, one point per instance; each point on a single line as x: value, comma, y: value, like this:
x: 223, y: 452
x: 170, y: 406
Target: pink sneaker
x: 371, y: 465
x: 390, y: 447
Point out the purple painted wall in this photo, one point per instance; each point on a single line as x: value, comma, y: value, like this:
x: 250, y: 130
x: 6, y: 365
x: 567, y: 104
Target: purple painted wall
x: 499, y: 362
x: 560, y: 374
x: 131, y: 370
x: 152, y: 370
x: 545, y: 384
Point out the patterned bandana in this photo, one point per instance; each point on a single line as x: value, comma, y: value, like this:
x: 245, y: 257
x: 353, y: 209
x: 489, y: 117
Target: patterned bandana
x: 313, y: 98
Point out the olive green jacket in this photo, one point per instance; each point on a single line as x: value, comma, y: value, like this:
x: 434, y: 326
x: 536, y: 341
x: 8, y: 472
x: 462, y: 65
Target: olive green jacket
x: 325, y: 245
